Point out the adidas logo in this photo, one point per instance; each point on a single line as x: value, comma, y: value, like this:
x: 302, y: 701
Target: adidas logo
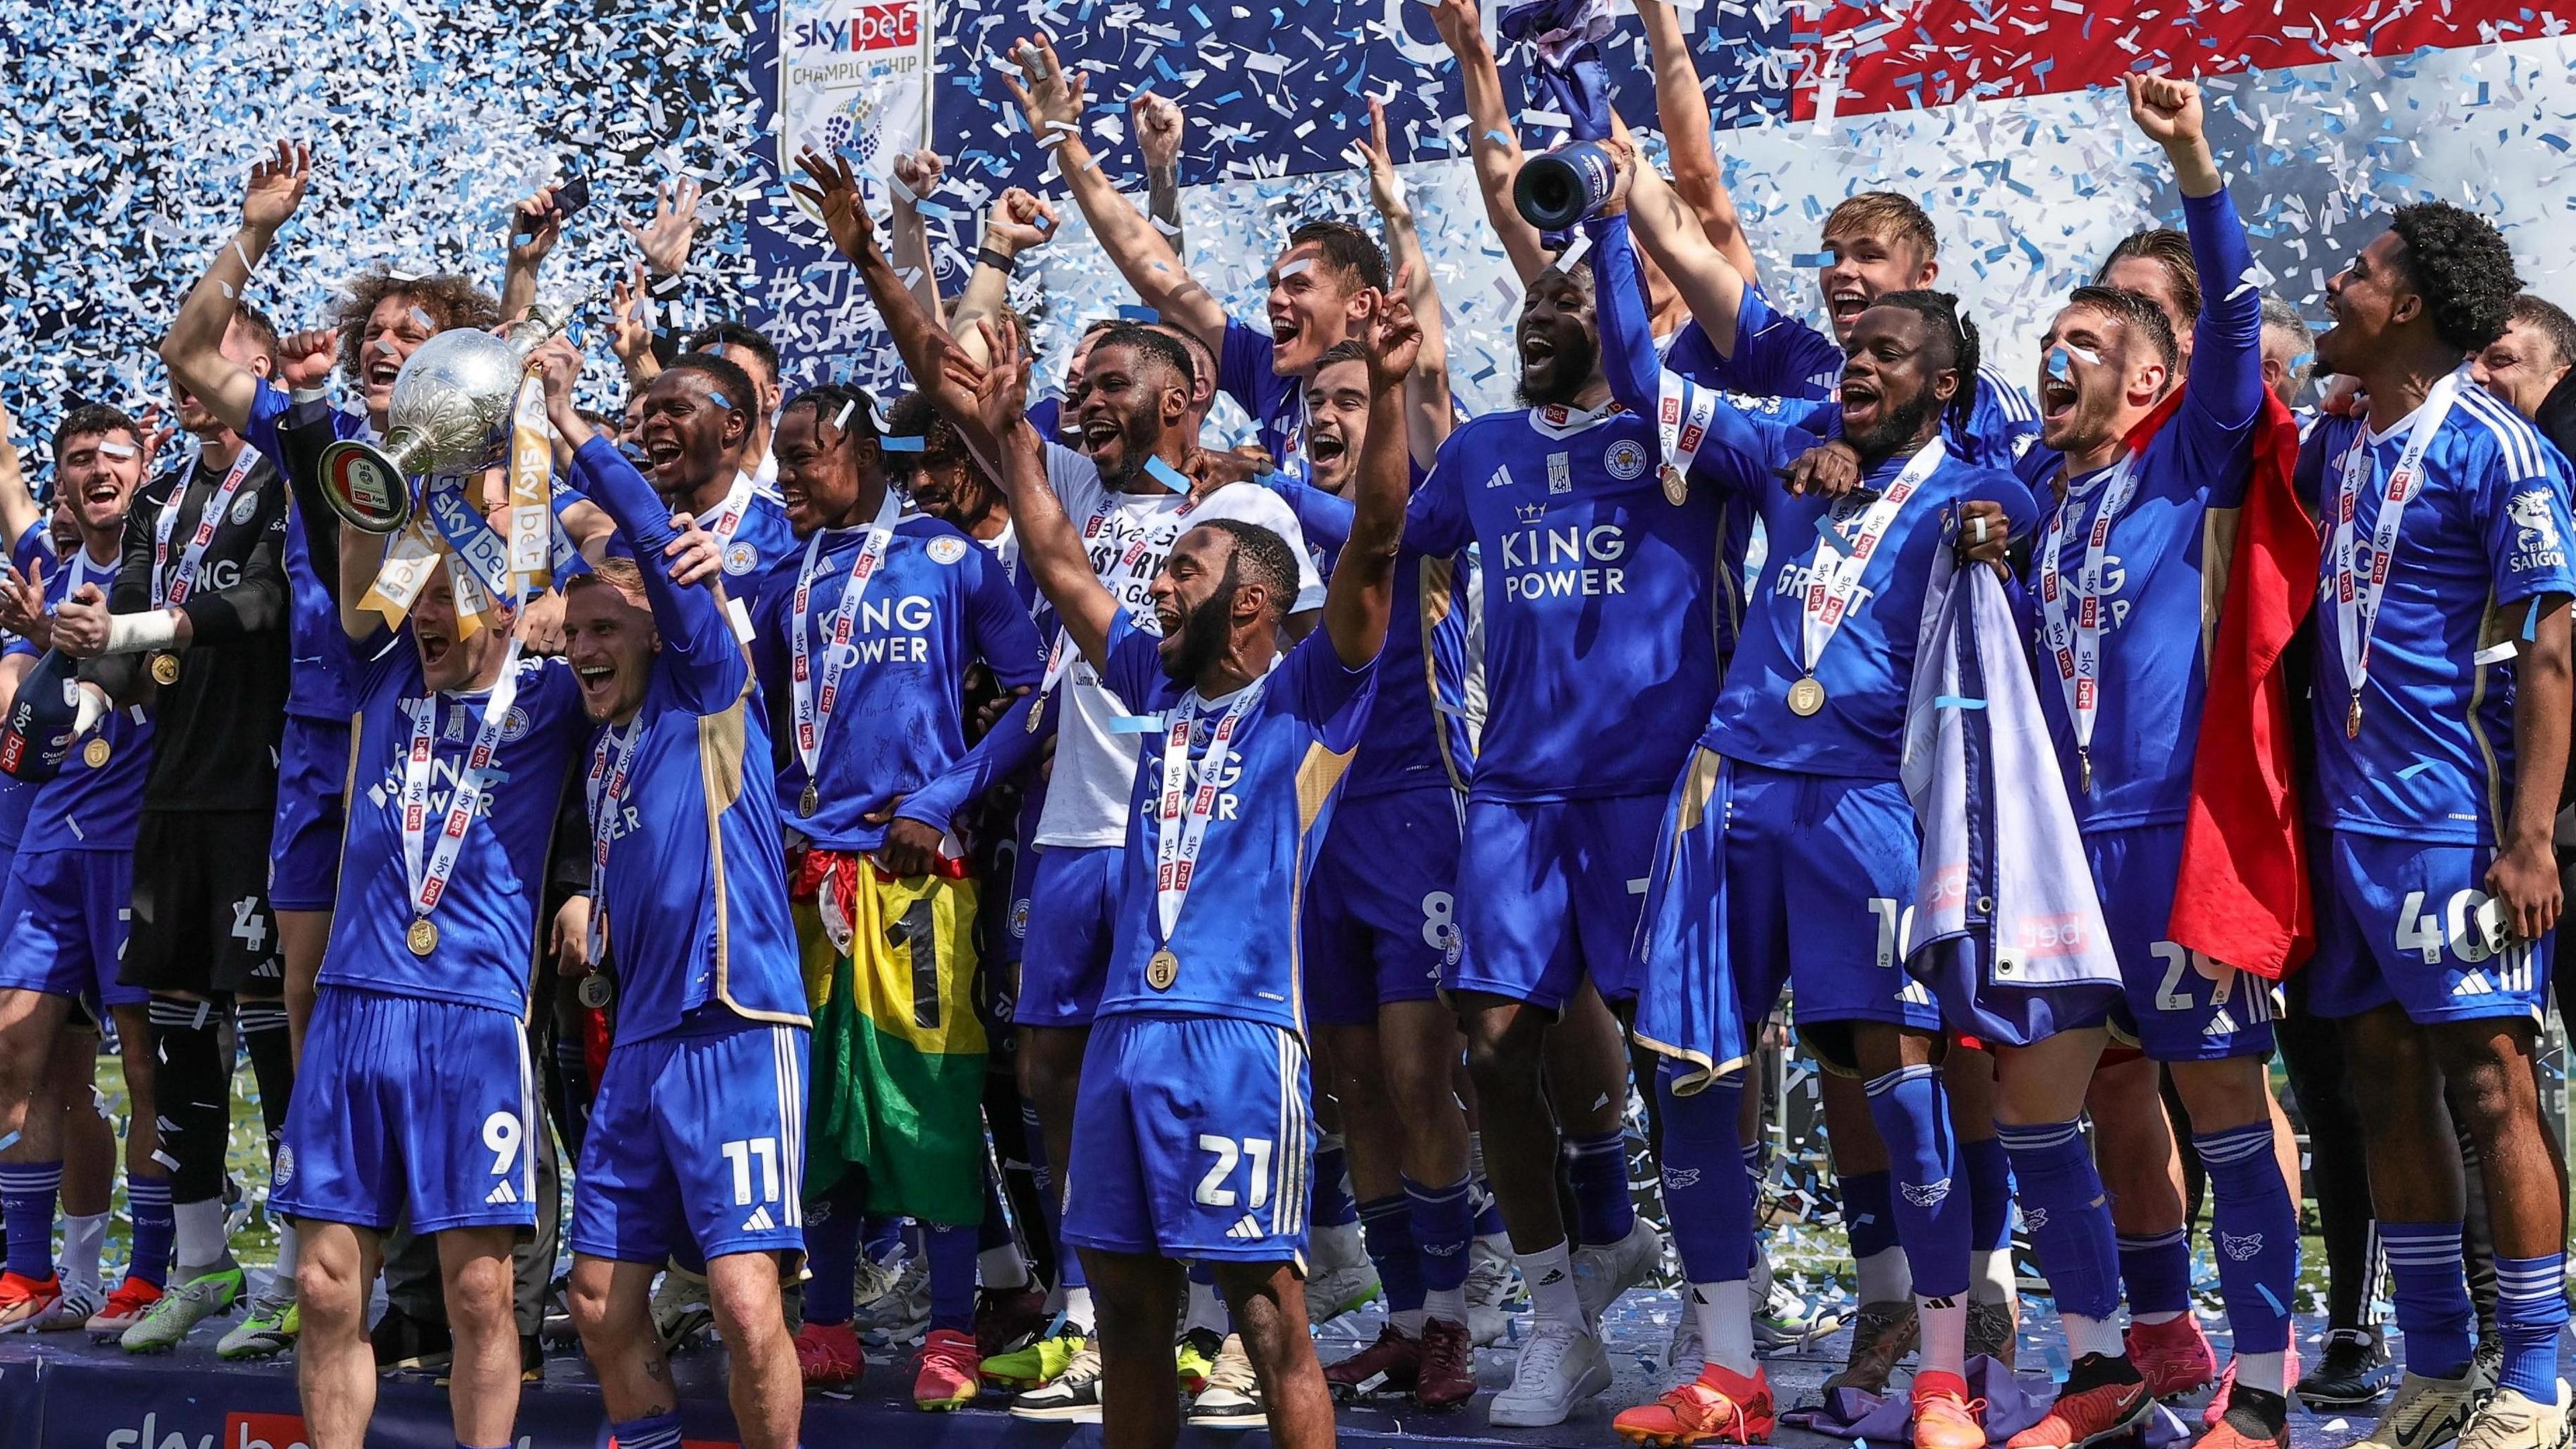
x: 1246, y: 1226
x: 2220, y: 1024
x: 760, y: 1221
x: 1554, y: 1277
x: 501, y: 1192
x: 1502, y: 478
x: 2474, y: 984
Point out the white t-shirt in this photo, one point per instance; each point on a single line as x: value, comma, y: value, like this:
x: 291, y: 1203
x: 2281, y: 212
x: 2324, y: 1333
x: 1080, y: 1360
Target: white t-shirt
x: 1095, y: 769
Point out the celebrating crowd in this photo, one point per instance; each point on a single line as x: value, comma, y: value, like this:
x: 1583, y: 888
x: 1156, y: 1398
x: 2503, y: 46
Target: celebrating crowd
x: 1166, y: 895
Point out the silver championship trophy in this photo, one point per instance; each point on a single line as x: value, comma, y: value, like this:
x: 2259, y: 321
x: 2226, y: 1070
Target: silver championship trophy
x: 450, y: 414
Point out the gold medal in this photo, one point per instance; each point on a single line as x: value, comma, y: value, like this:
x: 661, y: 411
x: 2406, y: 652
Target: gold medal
x: 1037, y: 712
x: 2352, y: 718
x: 422, y: 938
x: 1806, y: 697
x: 1676, y: 487
x: 95, y: 753
x: 1162, y: 970
x: 809, y: 802
x: 165, y: 669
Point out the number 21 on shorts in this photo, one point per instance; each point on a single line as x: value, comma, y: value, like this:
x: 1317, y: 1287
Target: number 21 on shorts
x: 1228, y: 1152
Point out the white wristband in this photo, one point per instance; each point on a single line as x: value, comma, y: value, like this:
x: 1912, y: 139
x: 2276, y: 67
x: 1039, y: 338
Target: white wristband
x: 93, y: 707
x: 135, y: 633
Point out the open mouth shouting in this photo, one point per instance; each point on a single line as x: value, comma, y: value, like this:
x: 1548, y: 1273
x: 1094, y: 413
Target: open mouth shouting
x: 1846, y: 302
x: 598, y: 680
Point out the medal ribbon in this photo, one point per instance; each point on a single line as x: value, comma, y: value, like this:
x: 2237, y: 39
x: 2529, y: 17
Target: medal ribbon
x: 172, y: 588
x: 729, y: 515
x: 1121, y: 573
x: 1181, y: 828
x: 428, y: 882
x: 1835, y: 574
x: 478, y: 561
x: 2356, y: 599
x: 604, y: 792
x: 2076, y: 645
x: 1683, y: 410
x: 813, y: 710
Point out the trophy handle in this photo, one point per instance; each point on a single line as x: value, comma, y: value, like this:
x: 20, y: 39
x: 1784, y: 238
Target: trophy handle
x: 366, y: 486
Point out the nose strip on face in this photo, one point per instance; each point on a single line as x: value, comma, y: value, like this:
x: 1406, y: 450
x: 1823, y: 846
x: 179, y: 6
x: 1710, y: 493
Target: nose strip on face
x: 2059, y: 366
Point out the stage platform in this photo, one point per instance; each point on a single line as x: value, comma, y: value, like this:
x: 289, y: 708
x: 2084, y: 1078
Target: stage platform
x: 58, y: 1391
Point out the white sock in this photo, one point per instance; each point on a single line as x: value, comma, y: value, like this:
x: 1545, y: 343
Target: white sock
x: 1206, y: 1310
x: 1497, y: 1244
x: 1077, y: 1308
x: 2269, y: 1372
x: 200, y: 1238
x: 1549, y: 1272
x: 84, y: 1239
x: 2151, y: 1319
x: 287, y: 1254
x: 1944, y: 1347
x: 1449, y: 1305
x: 1886, y: 1276
x: 1407, y: 1321
x: 1724, y: 1313
x: 1001, y: 1269
x: 1990, y: 1276
x: 2092, y: 1335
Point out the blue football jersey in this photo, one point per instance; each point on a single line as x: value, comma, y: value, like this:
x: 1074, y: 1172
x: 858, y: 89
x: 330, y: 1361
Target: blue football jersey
x: 2485, y: 535
x: 695, y: 894
x: 1236, y: 937
x: 753, y: 551
x: 1276, y: 401
x: 2163, y: 566
x: 89, y: 806
x: 1602, y: 600
x: 1777, y: 355
x: 320, y: 687
x: 935, y: 604
x: 1418, y: 731
x: 487, y: 916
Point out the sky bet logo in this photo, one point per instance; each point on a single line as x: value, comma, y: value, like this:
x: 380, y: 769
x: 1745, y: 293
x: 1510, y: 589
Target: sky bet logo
x: 870, y: 27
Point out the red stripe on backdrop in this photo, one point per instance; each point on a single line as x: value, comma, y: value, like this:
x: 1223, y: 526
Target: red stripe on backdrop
x: 1891, y: 57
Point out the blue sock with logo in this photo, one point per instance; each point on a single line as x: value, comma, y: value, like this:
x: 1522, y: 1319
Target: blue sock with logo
x: 156, y: 1227
x: 2069, y: 1218
x: 2257, y: 1227
x: 660, y: 1431
x: 1990, y: 1194
x: 1597, y: 1169
x: 2433, y: 1309
x: 1386, y: 1227
x: 1444, y: 1221
x: 2156, y: 1273
x: 1706, y: 1191
x: 1869, y: 1218
x: 1332, y: 1206
x: 2531, y: 1311
x: 832, y: 1233
x: 1912, y: 1111
x: 27, y: 1194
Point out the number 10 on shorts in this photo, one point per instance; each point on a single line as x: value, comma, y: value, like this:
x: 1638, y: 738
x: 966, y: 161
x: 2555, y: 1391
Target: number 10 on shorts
x: 739, y: 1154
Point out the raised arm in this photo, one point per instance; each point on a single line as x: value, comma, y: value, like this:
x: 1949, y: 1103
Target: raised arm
x: 18, y: 511
x: 697, y: 636
x: 1049, y: 547
x: 1491, y: 141
x: 1052, y: 100
x: 1017, y: 224
x: 916, y: 175
x: 664, y: 241
x: 925, y: 348
x: 2227, y: 343
x: 1158, y: 125
x: 194, y: 349
x: 536, y: 224
x: 1362, y: 592
x: 1428, y: 415
x: 1681, y: 112
x: 1710, y: 285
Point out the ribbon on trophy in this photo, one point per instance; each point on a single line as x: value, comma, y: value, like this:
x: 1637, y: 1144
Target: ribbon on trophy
x: 1569, y: 85
x: 483, y: 568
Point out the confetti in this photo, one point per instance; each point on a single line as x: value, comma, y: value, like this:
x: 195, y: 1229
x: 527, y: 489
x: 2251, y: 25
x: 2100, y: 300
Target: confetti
x: 901, y: 442
x: 1167, y: 475
x: 1135, y: 724
x: 1954, y: 701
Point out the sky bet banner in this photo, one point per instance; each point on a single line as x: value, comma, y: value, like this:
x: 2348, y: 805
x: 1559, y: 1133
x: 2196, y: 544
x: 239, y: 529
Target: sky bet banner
x: 2002, y: 117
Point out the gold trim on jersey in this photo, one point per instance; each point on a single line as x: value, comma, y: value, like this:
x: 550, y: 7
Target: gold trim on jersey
x: 1439, y: 600
x: 2217, y: 559
x: 1699, y: 785
x: 723, y: 741
x: 1317, y: 776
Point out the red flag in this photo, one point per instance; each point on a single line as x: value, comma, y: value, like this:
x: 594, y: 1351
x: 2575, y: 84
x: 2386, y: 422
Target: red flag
x: 2243, y: 895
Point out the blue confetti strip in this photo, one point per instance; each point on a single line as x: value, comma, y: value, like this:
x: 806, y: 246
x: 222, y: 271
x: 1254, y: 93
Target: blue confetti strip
x: 1135, y: 724
x: 1957, y: 701
x: 1167, y: 475
x: 901, y: 443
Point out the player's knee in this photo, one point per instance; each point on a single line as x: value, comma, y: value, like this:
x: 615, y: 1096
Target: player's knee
x: 479, y: 1294
x: 588, y: 1300
x: 328, y: 1294
x: 2490, y: 1084
x: 1501, y: 1056
x: 745, y: 1300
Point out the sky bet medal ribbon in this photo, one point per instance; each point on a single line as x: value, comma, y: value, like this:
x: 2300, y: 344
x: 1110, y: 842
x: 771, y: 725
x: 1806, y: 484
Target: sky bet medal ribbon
x: 1181, y: 816
x: 428, y: 879
x: 1835, y: 575
x: 813, y: 704
x: 2356, y: 595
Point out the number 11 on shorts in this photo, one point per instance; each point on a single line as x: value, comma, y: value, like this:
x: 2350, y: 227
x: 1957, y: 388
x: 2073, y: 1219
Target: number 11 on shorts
x: 739, y: 1154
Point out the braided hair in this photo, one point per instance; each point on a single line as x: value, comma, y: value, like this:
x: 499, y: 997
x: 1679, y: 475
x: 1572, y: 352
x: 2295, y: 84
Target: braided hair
x: 848, y: 409
x: 1951, y: 332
